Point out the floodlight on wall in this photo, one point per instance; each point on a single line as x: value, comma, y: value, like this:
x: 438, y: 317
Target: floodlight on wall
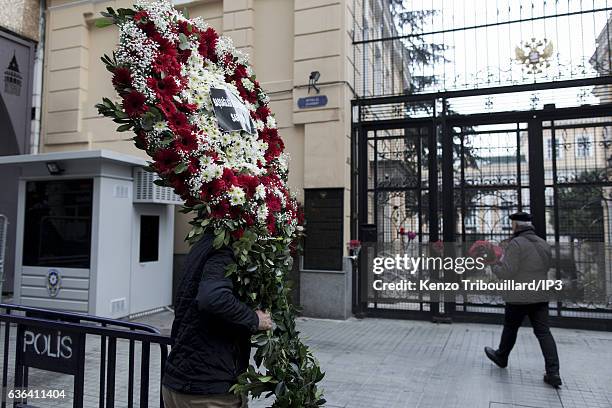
x: 54, y: 168
x: 313, y: 79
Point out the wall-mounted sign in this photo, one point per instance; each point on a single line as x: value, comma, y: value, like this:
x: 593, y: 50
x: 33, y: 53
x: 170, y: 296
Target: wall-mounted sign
x: 51, y: 349
x: 230, y: 112
x: 54, y: 282
x: 314, y: 101
x: 16, y: 66
x: 13, y: 77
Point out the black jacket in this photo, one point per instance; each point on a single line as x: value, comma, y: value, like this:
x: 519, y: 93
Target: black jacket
x: 211, y: 328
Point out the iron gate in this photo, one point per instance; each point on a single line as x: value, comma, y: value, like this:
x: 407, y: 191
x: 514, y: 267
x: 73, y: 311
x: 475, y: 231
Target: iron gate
x: 458, y: 177
x: 467, y: 111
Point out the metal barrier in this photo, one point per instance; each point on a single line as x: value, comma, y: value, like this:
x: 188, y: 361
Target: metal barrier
x: 55, y: 341
x: 3, y: 235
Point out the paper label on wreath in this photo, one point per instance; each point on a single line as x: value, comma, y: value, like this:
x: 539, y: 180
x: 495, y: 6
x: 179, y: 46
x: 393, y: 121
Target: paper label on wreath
x: 230, y: 112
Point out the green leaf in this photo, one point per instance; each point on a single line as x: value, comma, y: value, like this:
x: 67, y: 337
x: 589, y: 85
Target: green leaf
x: 124, y: 128
x: 219, y: 238
x: 183, y: 42
x: 265, y: 379
x: 180, y: 168
x: 104, y: 22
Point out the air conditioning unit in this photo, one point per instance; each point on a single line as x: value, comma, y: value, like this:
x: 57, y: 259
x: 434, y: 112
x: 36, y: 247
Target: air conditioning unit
x: 145, y: 191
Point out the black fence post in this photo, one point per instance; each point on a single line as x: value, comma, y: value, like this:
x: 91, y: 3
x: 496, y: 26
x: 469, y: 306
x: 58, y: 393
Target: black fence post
x: 537, y: 185
x: 448, y: 198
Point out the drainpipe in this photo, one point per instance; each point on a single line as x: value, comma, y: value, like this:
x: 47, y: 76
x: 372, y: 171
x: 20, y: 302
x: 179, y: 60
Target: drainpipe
x: 38, y: 82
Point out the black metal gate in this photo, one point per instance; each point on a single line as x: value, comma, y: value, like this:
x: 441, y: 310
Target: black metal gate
x: 458, y: 177
x: 468, y: 111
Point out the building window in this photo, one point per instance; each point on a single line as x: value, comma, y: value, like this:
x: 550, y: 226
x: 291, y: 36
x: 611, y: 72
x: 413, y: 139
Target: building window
x: 323, y: 216
x: 57, y: 223
x: 149, y: 238
x: 549, y: 149
x: 584, y: 146
x: 471, y: 220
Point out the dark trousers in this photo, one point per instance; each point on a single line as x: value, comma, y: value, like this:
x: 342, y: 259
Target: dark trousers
x: 538, y: 316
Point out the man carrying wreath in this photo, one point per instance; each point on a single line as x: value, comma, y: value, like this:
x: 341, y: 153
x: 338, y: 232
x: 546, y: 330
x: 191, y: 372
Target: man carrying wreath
x: 527, y: 257
x: 211, y: 333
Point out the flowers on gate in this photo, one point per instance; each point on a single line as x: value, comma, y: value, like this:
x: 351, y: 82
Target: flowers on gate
x: 175, y: 77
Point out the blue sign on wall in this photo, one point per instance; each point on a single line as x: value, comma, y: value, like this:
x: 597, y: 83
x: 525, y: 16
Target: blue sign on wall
x: 312, y: 101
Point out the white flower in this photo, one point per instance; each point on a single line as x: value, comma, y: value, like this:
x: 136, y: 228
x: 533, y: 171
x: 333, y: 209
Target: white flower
x: 262, y: 213
x: 160, y: 126
x: 248, y: 84
x: 236, y: 196
x: 260, y: 192
x: 271, y: 122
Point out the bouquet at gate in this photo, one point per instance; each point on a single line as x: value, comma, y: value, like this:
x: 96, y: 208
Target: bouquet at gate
x: 489, y: 252
x: 195, y: 107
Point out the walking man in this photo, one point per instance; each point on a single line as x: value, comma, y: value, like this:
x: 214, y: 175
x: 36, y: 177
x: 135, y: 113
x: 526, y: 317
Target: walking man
x: 211, y: 332
x: 527, y: 257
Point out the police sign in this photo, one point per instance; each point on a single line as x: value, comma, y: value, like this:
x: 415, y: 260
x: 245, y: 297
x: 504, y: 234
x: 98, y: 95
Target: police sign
x: 51, y: 349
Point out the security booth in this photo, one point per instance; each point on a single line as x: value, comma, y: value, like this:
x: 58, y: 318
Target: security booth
x: 94, y: 233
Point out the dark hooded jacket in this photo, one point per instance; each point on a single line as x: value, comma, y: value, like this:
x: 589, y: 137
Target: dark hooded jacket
x: 526, y: 258
x: 211, y: 329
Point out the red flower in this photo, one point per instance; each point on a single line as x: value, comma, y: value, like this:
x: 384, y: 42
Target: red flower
x: 167, y: 64
x: 184, y: 55
x: 167, y: 107
x: 300, y: 215
x: 273, y: 203
x: 271, y: 224
x: 147, y: 27
x: 164, y: 88
x: 186, y: 28
x: 239, y: 73
x: 122, y: 78
x: 178, y: 120
x: 178, y: 183
x: 165, y: 160
x: 208, y: 42
x: 217, y: 186
x: 262, y: 113
x: 194, y: 165
x: 140, y: 140
x: 275, y: 148
x: 164, y: 46
x: 489, y: 252
x: 229, y: 177
x: 248, y: 183
x: 186, y: 140
x: 133, y: 103
x: 248, y: 218
x: 140, y: 16
x: 237, y: 234
x: 220, y: 210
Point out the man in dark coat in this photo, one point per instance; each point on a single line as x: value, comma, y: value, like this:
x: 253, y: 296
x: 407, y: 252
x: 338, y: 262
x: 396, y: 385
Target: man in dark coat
x: 527, y: 257
x: 211, y: 332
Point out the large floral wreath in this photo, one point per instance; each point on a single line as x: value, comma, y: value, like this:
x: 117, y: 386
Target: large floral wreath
x: 234, y: 180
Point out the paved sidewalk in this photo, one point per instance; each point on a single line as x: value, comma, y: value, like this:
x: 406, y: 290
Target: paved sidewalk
x: 377, y: 363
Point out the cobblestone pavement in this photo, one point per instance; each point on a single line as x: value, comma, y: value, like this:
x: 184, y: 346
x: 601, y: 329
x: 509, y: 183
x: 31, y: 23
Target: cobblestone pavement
x: 377, y: 363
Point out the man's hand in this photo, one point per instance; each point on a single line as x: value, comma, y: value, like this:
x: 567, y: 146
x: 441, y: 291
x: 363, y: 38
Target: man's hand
x: 265, y: 320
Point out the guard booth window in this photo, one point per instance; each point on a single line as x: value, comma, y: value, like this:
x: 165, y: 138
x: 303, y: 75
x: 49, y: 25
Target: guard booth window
x: 57, y: 225
x: 149, y: 238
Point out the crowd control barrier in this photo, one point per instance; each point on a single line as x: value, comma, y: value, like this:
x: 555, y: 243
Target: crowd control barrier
x: 55, y: 342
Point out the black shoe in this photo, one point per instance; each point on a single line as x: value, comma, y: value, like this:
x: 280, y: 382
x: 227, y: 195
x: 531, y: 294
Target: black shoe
x: 553, y: 380
x: 496, y: 358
